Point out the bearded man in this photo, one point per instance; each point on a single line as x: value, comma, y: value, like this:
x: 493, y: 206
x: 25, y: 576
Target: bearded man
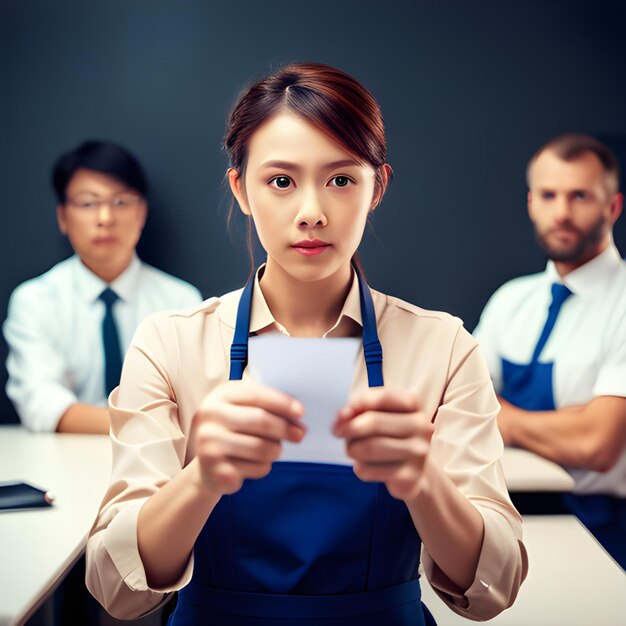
x: 555, y: 342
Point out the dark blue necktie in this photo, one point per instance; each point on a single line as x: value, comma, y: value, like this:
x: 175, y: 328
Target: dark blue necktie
x: 110, y: 342
x: 560, y: 293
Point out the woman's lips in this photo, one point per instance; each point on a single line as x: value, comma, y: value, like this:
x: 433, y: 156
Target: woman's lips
x: 311, y: 247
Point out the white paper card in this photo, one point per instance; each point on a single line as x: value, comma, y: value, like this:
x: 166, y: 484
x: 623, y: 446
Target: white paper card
x: 319, y: 373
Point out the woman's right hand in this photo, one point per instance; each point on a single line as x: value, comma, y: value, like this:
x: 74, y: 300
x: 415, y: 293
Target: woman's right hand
x: 237, y: 433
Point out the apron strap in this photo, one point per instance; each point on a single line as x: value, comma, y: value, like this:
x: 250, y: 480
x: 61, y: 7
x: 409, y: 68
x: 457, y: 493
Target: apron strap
x: 239, y: 347
x: 372, y: 349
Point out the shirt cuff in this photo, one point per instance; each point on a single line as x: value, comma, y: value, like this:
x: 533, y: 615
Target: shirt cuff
x: 44, y: 413
x: 499, y: 574
x: 120, y: 542
x: 611, y: 382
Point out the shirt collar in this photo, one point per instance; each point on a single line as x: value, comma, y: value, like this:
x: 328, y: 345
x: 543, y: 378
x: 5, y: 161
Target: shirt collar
x: 351, y: 310
x: 590, y: 276
x: 261, y: 317
x: 125, y: 285
x: 90, y: 286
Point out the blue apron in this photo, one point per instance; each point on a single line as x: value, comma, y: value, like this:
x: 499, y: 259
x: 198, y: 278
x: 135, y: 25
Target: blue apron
x: 530, y: 387
x: 308, y: 544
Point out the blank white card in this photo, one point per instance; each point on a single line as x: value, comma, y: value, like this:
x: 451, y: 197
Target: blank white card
x: 319, y: 373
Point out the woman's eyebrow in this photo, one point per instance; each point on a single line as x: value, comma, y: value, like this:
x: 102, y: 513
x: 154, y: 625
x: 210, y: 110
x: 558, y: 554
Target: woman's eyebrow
x: 287, y: 165
x: 341, y: 163
x: 282, y: 165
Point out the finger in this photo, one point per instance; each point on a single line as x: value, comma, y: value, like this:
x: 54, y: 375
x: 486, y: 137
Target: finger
x: 387, y: 449
x: 373, y: 423
x: 228, y: 476
x: 257, y: 421
x: 379, y: 399
x: 223, y: 476
x: 224, y: 444
x: 376, y: 472
x: 401, y: 479
x: 251, y: 469
x: 254, y: 394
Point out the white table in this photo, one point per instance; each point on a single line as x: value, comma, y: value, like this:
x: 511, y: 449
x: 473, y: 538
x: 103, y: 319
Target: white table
x: 39, y: 546
x: 571, y: 581
x: 525, y: 471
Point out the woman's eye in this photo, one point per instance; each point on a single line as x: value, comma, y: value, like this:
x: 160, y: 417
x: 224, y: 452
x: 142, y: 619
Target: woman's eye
x: 340, y: 181
x: 281, y: 182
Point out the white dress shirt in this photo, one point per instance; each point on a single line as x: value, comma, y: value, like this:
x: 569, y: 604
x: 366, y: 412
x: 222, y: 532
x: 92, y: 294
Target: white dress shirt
x: 587, y: 344
x: 54, y: 332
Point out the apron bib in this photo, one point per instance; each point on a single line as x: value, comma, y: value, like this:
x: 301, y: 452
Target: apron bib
x: 528, y: 386
x: 309, y: 543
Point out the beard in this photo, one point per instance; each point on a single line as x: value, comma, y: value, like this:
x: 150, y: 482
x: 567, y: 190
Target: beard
x: 581, y: 249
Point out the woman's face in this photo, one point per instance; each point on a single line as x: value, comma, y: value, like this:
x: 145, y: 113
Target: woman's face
x: 308, y: 196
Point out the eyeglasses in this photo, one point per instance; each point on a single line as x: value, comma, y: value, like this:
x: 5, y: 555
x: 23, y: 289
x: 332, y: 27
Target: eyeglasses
x: 121, y: 202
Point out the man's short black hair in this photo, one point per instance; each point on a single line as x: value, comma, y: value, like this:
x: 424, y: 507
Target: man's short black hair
x: 101, y: 156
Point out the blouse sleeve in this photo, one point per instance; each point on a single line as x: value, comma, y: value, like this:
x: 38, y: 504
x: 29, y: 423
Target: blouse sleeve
x: 148, y: 450
x: 468, y: 447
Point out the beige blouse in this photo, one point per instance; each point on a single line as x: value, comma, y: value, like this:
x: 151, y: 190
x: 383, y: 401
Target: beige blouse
x: 177, y: 358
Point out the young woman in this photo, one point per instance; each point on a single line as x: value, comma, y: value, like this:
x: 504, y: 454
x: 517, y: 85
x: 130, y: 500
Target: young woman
x: 199, y: 500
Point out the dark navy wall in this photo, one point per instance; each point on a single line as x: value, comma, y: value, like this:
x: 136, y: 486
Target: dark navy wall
x: 469, y: 90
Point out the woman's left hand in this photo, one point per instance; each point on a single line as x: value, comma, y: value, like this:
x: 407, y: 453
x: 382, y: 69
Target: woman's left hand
x: 388, y: 438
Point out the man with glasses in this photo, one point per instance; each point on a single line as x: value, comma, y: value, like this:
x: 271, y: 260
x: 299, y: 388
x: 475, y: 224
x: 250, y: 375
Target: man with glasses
x: 68, y: 329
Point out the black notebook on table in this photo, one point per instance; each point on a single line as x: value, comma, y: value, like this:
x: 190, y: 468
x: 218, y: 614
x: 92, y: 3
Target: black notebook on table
x: 22, y: 495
